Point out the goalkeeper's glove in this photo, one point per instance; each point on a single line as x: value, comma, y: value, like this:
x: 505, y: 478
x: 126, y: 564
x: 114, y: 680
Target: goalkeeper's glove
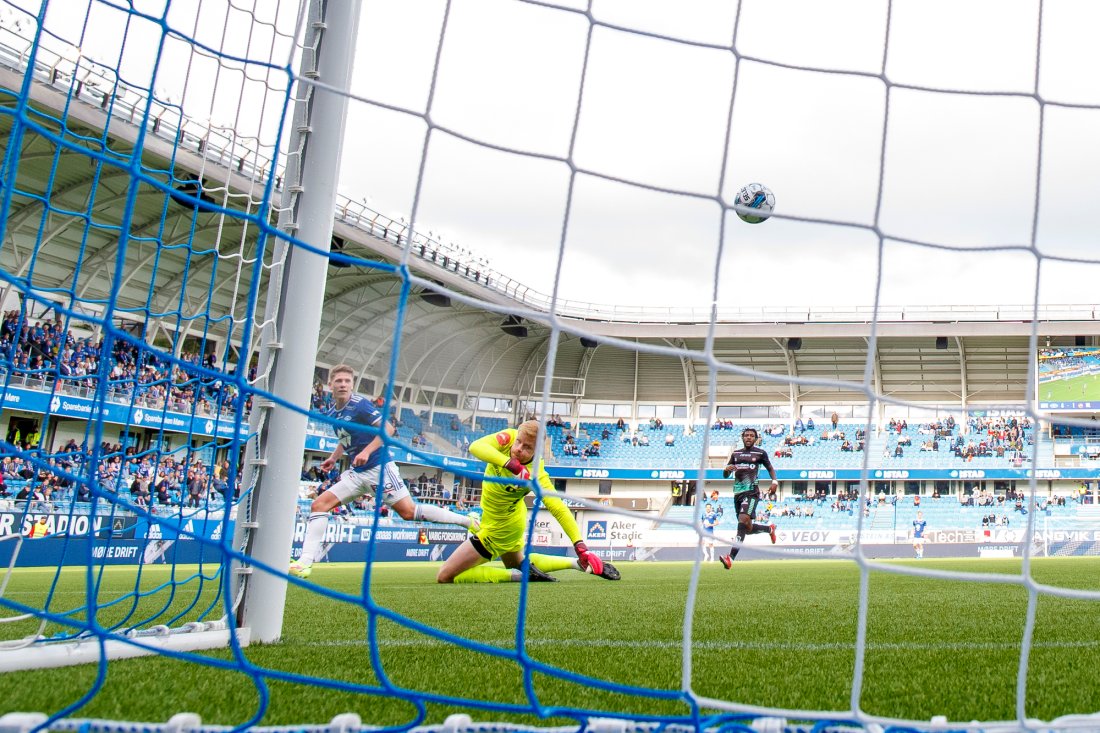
x: 518, y: 469
x: 590, y: 562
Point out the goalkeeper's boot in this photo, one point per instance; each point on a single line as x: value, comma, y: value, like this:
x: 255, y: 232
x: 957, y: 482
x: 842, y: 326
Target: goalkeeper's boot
x: 609, y: 571
x: 300, y: 570
x: 771, y: 532
x: 727, y: 561
x: 534, y: 575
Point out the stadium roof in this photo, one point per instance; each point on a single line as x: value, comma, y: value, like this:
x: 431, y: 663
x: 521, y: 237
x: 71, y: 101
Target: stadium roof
x: 70, y: 250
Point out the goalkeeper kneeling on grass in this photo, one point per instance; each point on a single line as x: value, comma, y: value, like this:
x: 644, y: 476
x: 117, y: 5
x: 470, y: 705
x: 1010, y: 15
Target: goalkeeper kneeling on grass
x: 504, y: 518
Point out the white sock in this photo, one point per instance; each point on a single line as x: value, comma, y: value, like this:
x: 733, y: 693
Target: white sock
x: 316, y: 526
x: 439, y: 515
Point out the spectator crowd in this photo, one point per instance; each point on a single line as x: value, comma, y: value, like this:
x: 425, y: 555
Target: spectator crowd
x: 136, y: 375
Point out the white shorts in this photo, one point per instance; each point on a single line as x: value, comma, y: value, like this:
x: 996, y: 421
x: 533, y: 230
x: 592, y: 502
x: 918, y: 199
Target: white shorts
x: 353, y: 484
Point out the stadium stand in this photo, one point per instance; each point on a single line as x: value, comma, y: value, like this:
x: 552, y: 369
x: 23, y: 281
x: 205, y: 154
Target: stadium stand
x: 988, y: 442
x: 897, y: 513
x: 41, y: 351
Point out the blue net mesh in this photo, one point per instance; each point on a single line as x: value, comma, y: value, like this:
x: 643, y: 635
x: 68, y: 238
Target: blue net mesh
x: 132, y: 274
x: 143, y: 182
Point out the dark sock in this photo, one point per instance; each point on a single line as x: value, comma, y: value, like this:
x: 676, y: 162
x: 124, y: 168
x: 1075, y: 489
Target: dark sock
x: 740, y: 538
x: 758, y: 528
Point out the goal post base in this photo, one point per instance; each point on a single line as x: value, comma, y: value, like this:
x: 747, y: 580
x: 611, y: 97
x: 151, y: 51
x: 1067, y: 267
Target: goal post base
x: 42, y: 654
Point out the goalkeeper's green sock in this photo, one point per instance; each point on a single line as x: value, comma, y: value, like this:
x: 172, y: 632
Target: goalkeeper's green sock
x: 488, y: 574
x: 552, y: 563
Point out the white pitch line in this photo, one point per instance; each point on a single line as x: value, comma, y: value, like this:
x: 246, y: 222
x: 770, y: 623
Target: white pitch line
x: 721, y: 645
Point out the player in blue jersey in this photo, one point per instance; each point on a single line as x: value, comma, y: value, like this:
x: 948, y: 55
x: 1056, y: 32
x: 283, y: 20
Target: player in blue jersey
x: 744, y: 465
x: 711, y: 517
x: 370, y: 467
x: 918, y: 534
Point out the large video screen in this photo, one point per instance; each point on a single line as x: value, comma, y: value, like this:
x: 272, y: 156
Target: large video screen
x: 1069, y: 379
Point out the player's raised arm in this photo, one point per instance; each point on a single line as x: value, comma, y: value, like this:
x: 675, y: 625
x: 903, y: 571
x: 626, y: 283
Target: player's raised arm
x: 495, y: 449
x: 589, y: 561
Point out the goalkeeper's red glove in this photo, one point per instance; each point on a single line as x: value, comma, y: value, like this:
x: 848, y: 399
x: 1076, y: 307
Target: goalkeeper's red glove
x: 518, y: 469
x: 590, y: 562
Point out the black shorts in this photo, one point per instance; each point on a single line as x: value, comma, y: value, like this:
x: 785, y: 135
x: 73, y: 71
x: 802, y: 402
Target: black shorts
x: 480, y: 547
x: 746, y: 502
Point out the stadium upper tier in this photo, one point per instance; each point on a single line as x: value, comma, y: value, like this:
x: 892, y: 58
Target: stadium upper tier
x: 982, y: 443
x: 974, y: 442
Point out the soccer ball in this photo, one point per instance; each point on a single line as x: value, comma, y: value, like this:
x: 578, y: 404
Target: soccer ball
x: 755, y: 196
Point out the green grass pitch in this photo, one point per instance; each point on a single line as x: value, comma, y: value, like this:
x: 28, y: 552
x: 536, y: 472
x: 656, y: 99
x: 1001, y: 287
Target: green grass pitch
x: 1085, y: 388
x: 772, y: 633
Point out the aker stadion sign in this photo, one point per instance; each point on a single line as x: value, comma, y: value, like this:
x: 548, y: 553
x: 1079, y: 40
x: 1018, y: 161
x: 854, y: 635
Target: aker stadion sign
x: 614, y: 529
x: 78, y: 525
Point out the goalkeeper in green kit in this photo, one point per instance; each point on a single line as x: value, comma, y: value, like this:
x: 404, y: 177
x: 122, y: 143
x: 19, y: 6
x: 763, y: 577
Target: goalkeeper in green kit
x: 508, y: 454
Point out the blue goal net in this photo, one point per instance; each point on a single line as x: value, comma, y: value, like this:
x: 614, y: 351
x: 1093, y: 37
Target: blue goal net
x: 213, y: 349
x: 138, y: 247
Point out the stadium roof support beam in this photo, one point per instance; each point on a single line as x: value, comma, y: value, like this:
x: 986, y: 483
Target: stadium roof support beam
x: 582, y: 372
x: 473, y: 371
x: 526, y: 374
x: 793, y: 393
x: 372, y: 322
x: 367, y: 324
x: 103, y: 258
x: 490, y: 337
x: 534, y: 364
x: 360, y: 292
x: 634, y: 387
x: 515, y: 344
x: 451, y: 365
x: 691, y: 378
x: 53, y: 232
x: 876, y: 378
x: 428, y: 333
x: 964, y: 391
x: 33, y: 207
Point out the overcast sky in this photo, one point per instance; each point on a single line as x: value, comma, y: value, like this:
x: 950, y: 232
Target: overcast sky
x: 960, y: 170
